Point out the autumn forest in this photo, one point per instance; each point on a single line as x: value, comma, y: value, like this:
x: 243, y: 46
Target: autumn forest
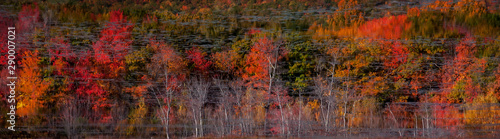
x: 250, y: 68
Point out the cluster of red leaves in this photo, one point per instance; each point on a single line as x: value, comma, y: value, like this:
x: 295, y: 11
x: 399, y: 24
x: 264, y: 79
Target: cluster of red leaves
x: 390, y: 27
x: 461, y: 67
x: 114, y: 44
x: 253, y: 31
x: 108, y: 62
x: 198, y: 58
x: 397, y: 54
x: 60, y: 54
x: 87, y: 86
x: 28, y: 17
x: 87, y: 75
x: 63, y: 58
x: 5, y: 22
x: 104, y: 62
x: 447, y: 117
x: 85, y: 79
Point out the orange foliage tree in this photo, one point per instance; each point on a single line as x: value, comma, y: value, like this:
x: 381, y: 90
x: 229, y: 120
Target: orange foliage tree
x: 390, y: 27
x: 343, y: 22
x: 226, y: 61
x: 31, y: 85
x: 261, y: 66
x: 439, y: 5
x: 457, y: 78
x: 259, y: 62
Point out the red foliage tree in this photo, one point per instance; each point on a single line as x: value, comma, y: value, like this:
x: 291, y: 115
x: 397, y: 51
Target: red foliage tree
x: 261, y: 65
x: 28, y: 18
x: 458, y: 73
x: 60, y: 54
x: 198, y: 58
x: 84, y: 80
x: 106, y: 60
x: 447, y: 117
x: 390, y: 27
x: 114, y: 44
x: 397, y: 54
x: 89, y: 89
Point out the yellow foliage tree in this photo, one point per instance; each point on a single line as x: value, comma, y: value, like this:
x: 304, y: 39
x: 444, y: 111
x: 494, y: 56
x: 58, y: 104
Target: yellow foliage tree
x: 439, y: 5
x: 484, y: 110
x: 470, y: 7
x: 137, y: 117
x: 346, y: 14
x: 365, y: 113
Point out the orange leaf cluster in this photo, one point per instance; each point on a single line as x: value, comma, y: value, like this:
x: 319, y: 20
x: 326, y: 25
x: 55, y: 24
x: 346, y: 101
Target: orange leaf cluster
x: 385, y: 28
x: 258, y: 61
x: 31, y: 84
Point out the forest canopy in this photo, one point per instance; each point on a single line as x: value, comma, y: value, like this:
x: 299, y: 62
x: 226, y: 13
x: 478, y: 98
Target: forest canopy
x: 253, y: 68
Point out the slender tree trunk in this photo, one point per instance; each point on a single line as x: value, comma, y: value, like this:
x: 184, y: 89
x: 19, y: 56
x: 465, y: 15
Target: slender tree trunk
x: 327, y: 117
x: 330, y: 95
x: 300, y: 113
x: 346, y: 98
x: 353, y: 116
x: 396, y: 122
x: 169, y: 96
x: 281, y: 114
x: 201, y: 123
x: 423, y: 127
x: 344, y: 114
x: 416, y: 122
x: 226, y: 122
x: 168, y: 118
x: 195, y: 122
x: 240, y: 118
x: 162, y: 110
x: 224, y: 105
x: 273, y: 65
